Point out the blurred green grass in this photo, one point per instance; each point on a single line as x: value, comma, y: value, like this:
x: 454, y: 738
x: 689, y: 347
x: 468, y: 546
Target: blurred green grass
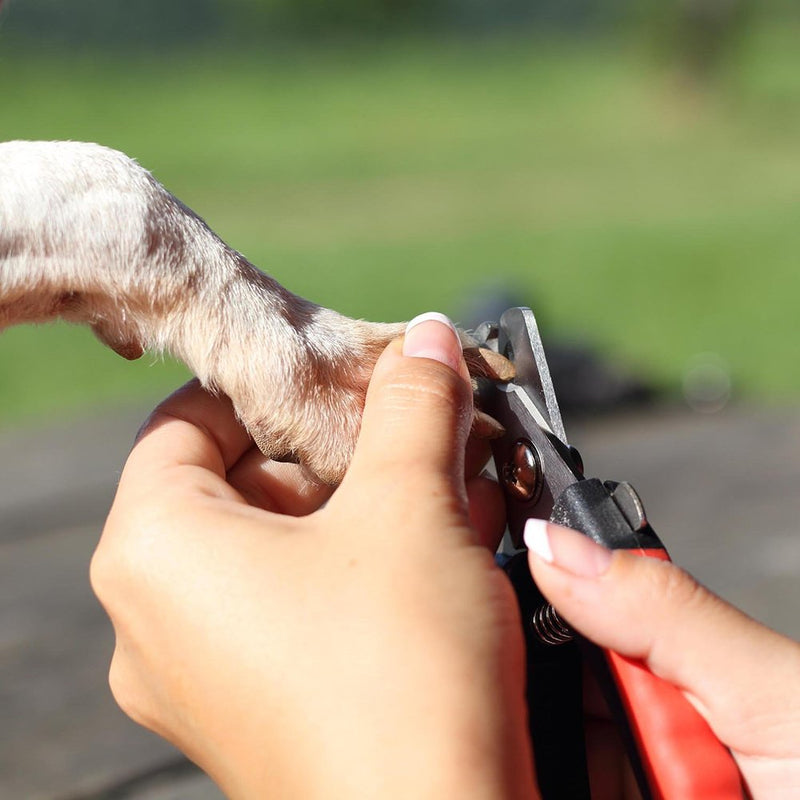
x: 654, y: 218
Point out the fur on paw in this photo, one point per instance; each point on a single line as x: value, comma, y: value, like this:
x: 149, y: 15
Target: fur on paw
x: 318, y: 423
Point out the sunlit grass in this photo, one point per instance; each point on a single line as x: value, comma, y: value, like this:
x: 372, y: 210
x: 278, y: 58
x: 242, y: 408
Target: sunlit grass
x: 656, y: 219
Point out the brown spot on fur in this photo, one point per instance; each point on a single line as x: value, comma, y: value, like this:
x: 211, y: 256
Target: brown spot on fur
x: 164, y: 233
x: 67, y: 303
x: 10, y: 245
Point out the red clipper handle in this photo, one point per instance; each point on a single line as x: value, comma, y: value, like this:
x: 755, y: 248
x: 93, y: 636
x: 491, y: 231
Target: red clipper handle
x: 680, y: 755
x: 672, y: 749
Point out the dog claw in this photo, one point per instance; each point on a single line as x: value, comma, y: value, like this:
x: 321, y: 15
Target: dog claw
x: 486, y: 427
x: 487, y: 363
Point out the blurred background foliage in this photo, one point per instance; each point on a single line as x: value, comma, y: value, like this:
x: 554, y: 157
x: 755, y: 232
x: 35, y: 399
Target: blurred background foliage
x: 629, y: 169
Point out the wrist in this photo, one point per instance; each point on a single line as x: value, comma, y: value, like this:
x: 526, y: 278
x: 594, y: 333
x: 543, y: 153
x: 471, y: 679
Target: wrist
x: 473, y: 759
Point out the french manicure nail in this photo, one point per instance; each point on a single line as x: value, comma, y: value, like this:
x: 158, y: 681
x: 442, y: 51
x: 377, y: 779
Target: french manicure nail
x: 567, y: 549
x: 537, y: 539
x: 434, y: 336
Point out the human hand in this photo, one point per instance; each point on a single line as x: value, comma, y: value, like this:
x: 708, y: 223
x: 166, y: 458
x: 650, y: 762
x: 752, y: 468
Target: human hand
x: 742, y: 677
x: 368, y: 648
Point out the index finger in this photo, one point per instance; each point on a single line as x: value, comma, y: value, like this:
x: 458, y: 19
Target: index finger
x: 191, y: 428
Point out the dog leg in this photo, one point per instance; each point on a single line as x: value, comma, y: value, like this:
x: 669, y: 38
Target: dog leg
x: 89, y: 236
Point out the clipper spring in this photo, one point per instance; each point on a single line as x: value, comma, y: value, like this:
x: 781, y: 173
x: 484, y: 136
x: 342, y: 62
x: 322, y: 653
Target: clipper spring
x: 549, y: 627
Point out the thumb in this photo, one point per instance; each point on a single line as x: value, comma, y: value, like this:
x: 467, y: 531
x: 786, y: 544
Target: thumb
x: 743, y: 677
x: 418, y: 409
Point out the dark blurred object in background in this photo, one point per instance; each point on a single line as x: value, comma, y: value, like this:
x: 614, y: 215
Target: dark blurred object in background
x: 698, y: 37
x: 585, y: 382
x: 706, y: 30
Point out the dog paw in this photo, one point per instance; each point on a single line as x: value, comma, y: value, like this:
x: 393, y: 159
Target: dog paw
x: 316, y: 419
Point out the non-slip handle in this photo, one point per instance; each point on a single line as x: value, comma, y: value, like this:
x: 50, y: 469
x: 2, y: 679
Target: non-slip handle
x: 681, y: 757
x: 678, y: 752
x: 673, y: 752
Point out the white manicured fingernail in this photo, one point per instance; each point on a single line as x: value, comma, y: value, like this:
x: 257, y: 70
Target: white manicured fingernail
x: 567, y: 549
x: 537, y: 540
x: 433, y: 336
x: 432, y: 316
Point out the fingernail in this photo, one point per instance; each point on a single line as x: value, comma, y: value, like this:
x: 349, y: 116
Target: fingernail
x: 432, y: 335
x: 567, y: 549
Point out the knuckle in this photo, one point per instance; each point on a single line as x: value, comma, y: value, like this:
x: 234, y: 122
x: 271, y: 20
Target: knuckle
x: 426, y: 385
x: 120, y: 685
x: 123, y: 556
x: 125, y: 690
x: 100, y: 572
x: 675, y: 588
x: 106, y: 565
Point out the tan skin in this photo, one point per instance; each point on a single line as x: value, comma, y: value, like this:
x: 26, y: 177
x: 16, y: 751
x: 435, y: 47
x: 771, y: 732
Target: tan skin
x: 361, y: 648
